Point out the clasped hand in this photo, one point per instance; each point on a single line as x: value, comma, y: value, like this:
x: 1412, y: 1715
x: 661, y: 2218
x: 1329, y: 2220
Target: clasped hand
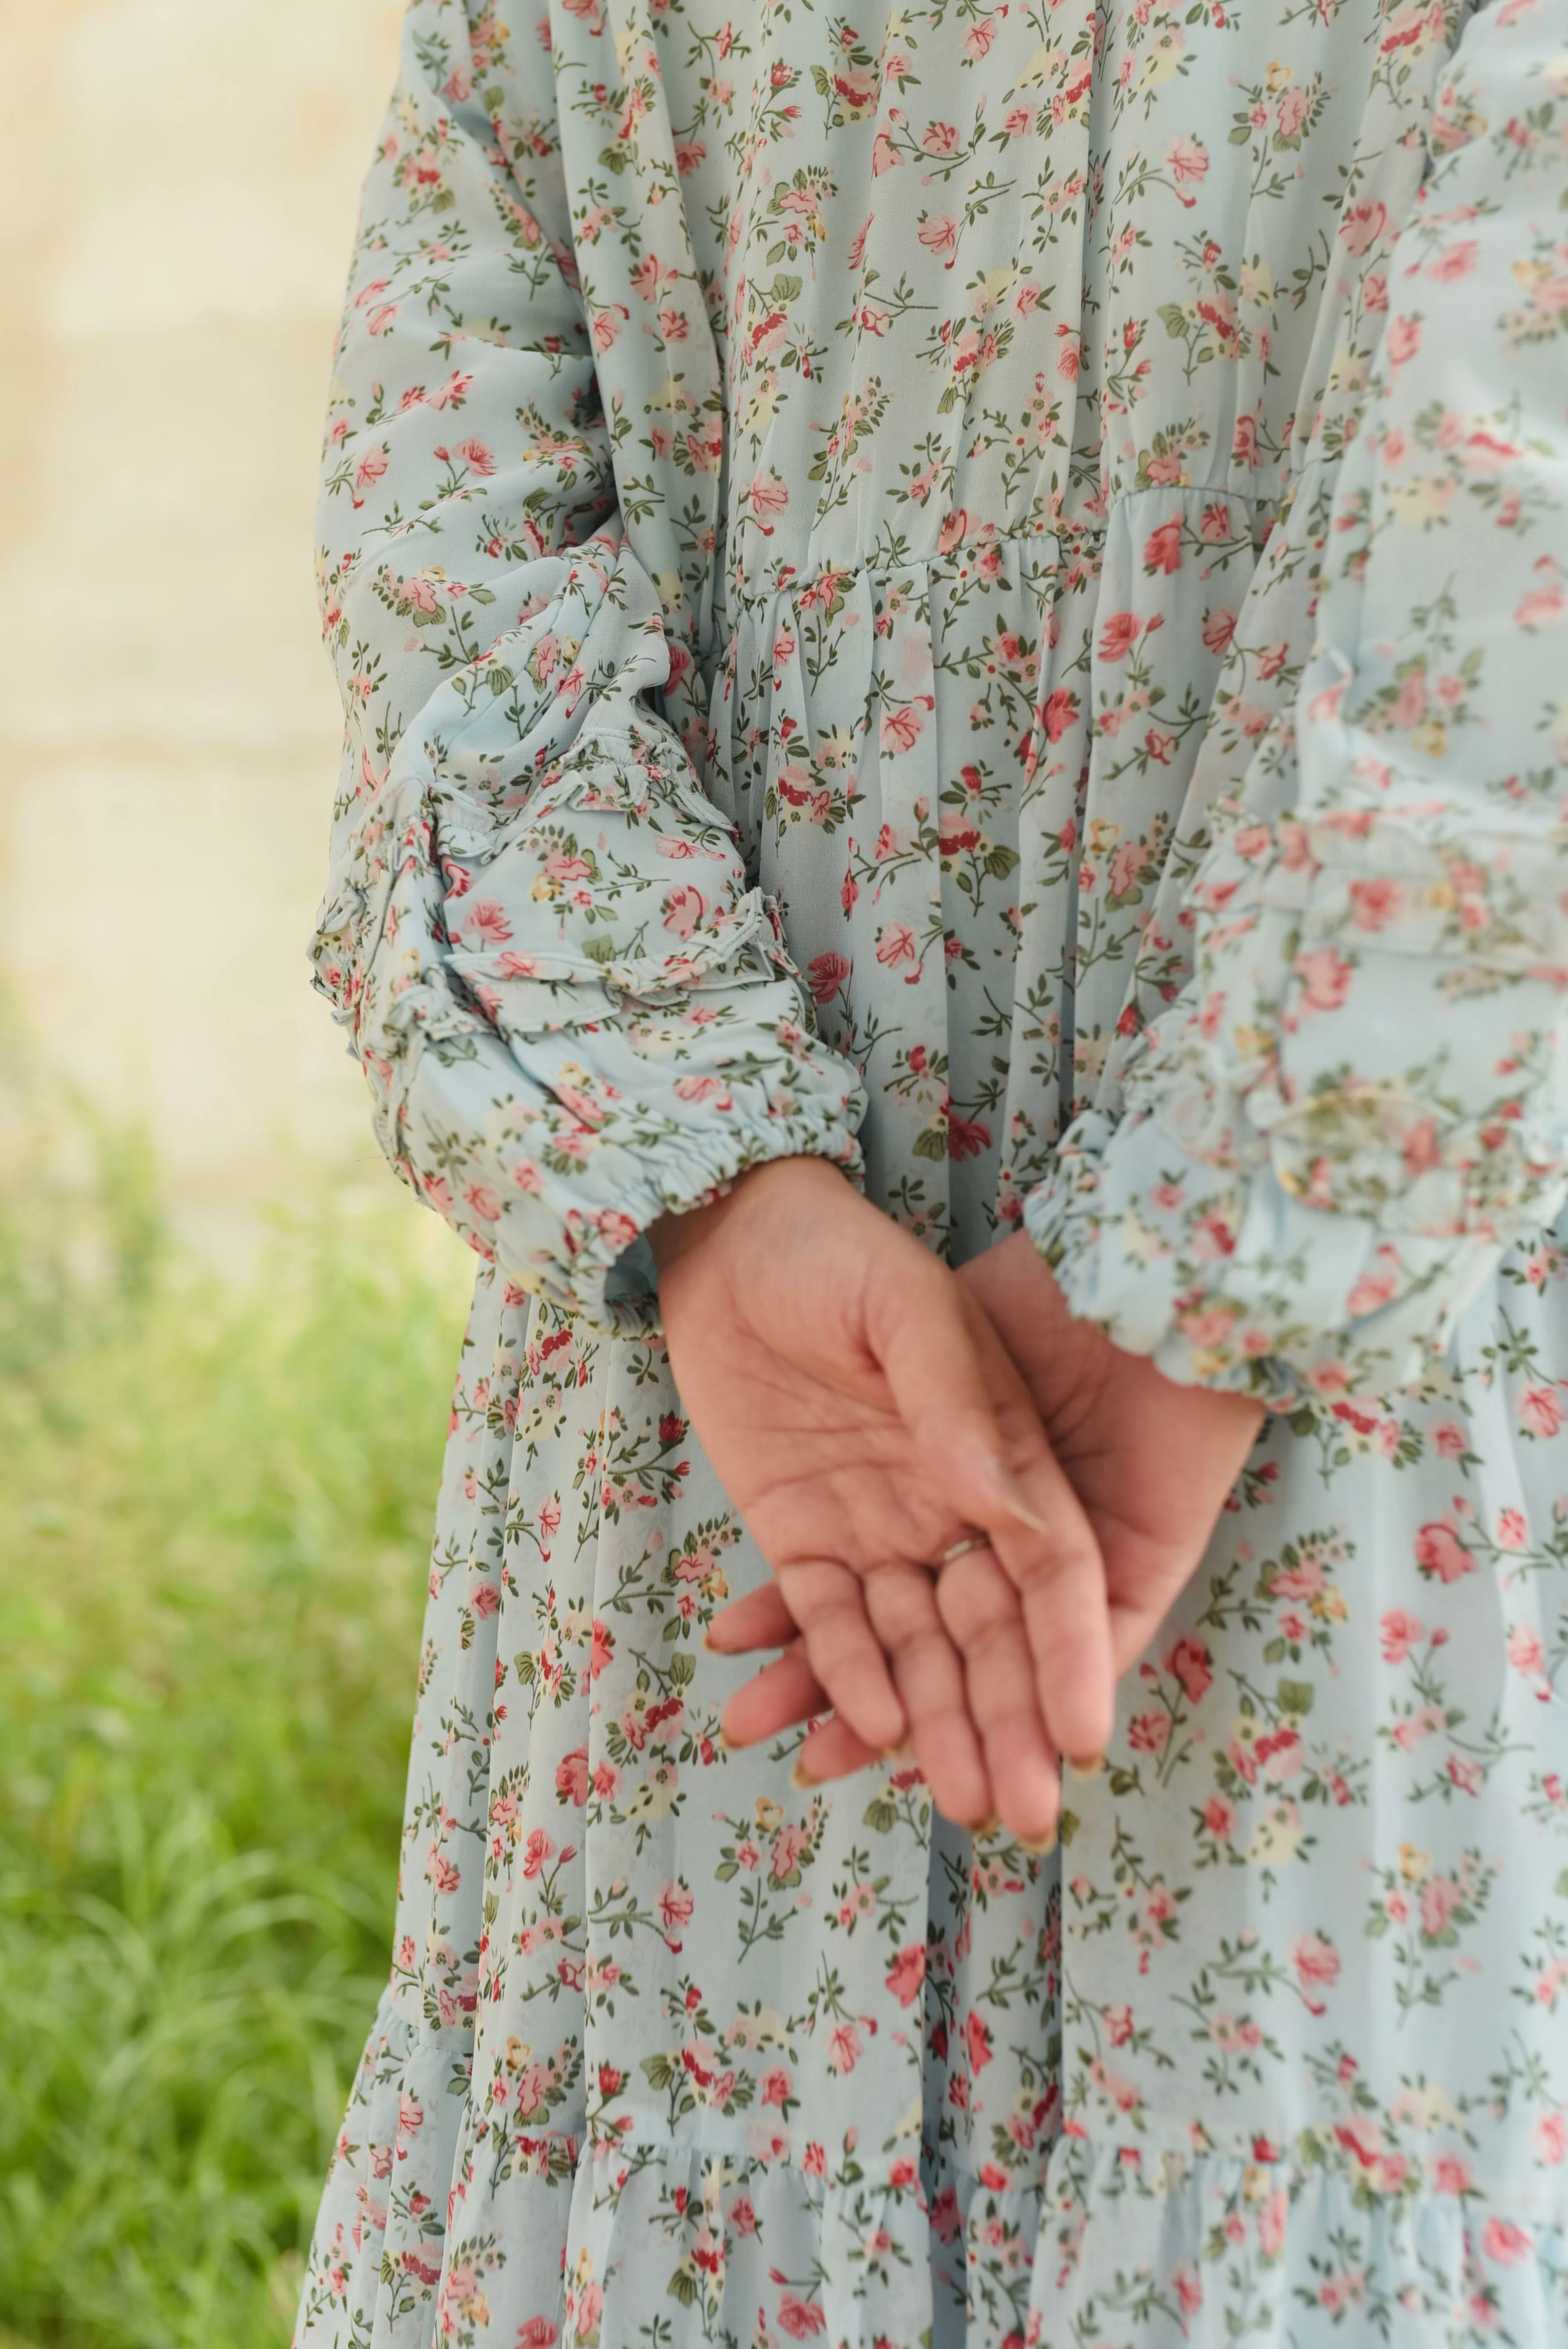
x: 866, y: 1409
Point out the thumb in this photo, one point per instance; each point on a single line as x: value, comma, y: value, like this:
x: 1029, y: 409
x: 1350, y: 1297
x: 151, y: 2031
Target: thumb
x: 968, y: 1412
x: 919, y: 1327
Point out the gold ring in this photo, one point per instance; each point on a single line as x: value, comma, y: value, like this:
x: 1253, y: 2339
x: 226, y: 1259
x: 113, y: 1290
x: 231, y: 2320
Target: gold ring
x: 962, y: 1548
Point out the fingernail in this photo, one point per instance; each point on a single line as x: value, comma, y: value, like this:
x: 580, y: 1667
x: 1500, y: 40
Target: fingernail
x: 1089, y: 1766
x: 707, y: 1643
x: 986, y: 1827
x: 1014, y: 1496
x: 1044, y: 1845
x: 724, y: 1745
x: 798, y: 1777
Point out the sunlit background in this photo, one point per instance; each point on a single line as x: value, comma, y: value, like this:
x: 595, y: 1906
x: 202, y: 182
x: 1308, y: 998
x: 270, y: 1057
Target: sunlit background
x: 225, y: 1335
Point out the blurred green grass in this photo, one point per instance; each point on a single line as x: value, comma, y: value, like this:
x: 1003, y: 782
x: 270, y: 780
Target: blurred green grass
x: 215, y: 1512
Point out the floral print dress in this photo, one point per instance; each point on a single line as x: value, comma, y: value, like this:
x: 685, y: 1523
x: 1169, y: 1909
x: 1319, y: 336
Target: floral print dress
x: 978, y: 590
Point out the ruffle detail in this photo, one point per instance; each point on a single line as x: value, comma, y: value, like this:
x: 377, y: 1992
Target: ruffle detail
x: 574, y: 1014
x: 567, y: 2244
x: 558, y: 2243
x: 1349, y: 2242
x: 1224, y: 1279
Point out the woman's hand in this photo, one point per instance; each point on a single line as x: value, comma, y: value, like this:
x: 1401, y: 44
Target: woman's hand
x: 863, y: 1415
x: 1151, y: 1464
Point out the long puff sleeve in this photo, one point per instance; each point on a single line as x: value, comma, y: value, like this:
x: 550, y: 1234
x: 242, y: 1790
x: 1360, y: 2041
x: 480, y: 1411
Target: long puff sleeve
x: 1361, y: 1099
x: 574, y: 1014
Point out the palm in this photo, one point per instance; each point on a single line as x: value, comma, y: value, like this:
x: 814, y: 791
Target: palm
x: 1150, y: 1463
x: 863, y: 1414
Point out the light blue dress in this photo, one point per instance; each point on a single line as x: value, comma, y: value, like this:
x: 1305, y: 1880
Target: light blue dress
x: 978, y: 591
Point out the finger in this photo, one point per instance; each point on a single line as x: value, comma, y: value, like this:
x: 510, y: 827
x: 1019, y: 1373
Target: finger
x: 828, y: 1602
x: 832, y: 1751
x: 984, y: 1616
x: 776, y: 1698
x: 971, y: 1415
x: 1057, y: 1572
x: 761, y: 1620
x: 929, y: 1676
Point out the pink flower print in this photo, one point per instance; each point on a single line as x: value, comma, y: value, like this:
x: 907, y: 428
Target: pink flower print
x: 1295, y: 105
x: 1440, y: 1896
x: 788, y: 1845
x: 1373, y: 902
x: 1454, y: 261
x: 1539, y: 1410
x: 1059, y: 712
x: 1403, y: 339
x: 488, y: 921
x: 1189, y: 1662
x: 976, y: 2041
x: 1451, y: 2174
x: 800, y: 2318
x: 1552, y: 2139
x: 1324, y: 975
x: 1505, y: 2243
x: 676, y: 1906
x: 1363, y: 224
x: 1440, y: 1553
x: 1219, y: 627
x: 1540, y: 607
x: 368, y: 471
x: 768, y: 498
x: 572, y: 1778
x: 1527, y: 1655
x: 684, y: 910
x: 1219, y: 1818
x: 825, y: 974
x: 1162, y: 548
x: 1400, y: 1631
x: 1187, y: 160
x: 901, y: 728
x: 1316, y: 1963
x: 938, y: 231
x: 1118, y: 634
x: 845, y: 2047
x: 895, y: 945
x: 776, y: 2087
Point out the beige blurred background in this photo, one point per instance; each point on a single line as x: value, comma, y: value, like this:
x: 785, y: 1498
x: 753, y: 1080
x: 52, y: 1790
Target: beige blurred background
x: 183, y: 178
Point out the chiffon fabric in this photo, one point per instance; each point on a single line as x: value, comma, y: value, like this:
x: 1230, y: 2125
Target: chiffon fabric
x: 977, y: 591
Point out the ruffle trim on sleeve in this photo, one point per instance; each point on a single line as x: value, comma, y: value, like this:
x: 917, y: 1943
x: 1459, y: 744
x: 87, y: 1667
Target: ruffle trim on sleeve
x: 1225, y: 1281
x: 574, y: 1015
x: 1359, y: 1106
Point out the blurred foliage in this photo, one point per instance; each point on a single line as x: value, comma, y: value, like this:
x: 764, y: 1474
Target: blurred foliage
x: 214, y: 1511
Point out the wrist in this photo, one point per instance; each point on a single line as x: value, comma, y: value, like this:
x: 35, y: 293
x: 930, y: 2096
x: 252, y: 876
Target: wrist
x: 675, y: 1235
